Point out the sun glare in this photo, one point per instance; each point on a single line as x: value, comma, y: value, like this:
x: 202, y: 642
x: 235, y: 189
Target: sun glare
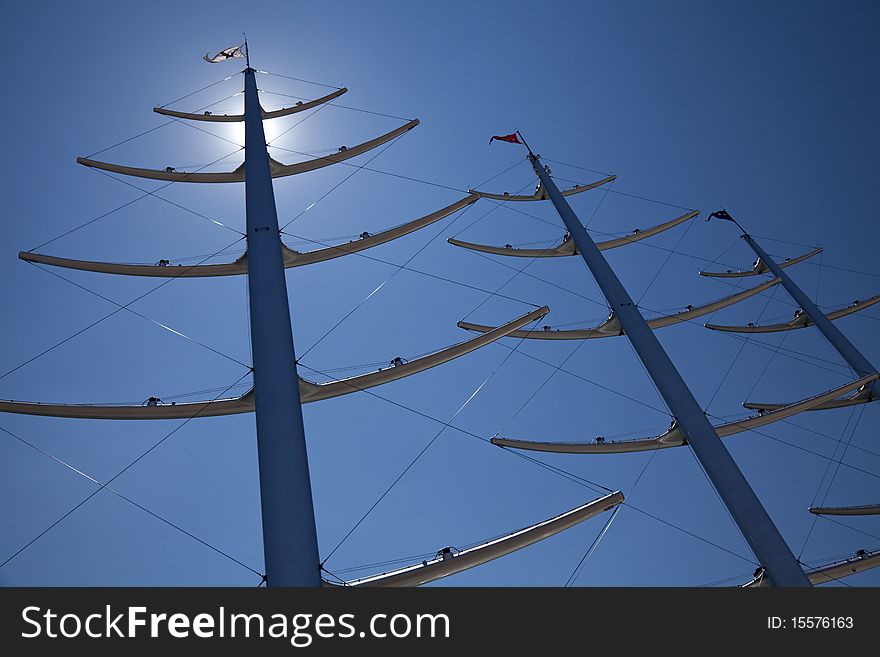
x: 272, y: 128
x: 235, y: 131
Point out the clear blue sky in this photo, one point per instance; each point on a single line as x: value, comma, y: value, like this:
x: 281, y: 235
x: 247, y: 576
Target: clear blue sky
x: 766, y: 109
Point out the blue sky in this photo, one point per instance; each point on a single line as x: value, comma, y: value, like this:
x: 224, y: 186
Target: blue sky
x: 763, y: 109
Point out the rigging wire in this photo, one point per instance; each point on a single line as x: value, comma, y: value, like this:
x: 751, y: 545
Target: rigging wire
x: 636, y: 196
x: 345, y: 107
x: 125, y: 205
x: 213, y: 84
x: 843, y: 524
x: 142, y: 316
x: 535, y: 243
x: 358, y: 168
x: 836, y: 469
x: 422, y: 452
x: 298, y: 123
x: 718, y: 497
x: 733, y: 361
x: 665, y: 262
x: 607, y: 189
x: 498, y: 175
x: 650, y: 378
x: 640, y: 242
x: 591, y: 549
x: 523, y: 212
x: 162, y: 198
x: 773, y: 239
x: 339, y: 580
x: 750, y: 560
x: 120, y: 308
x: 596, y: 487
x: 838, y: 580
x: 161, y: 125
x: 565, y: 474
x: 503, y: 285
x: 662, y: 411
x: 848, y: 270
x: 206, y: 391
x: 631, y: 346
x: 577, y: 479
x: 580, y: 565
x: 106, y: 484
x: 169, y: 122
x: 726, y: 580
x: 717, y: 258
x: 787, y: 353
x: 808, y: 451
x: 416, y: 271
x: 531, y: 261
x: 540, y: 387
x: 497, y: 204
x: 500, y: 263
x: 380, y: 286
x: 567, y: 358
x: 382, y: 564
x: 573, y: 166
x: 767, y: 364
x: 446, y: 424
x: 831, y: 438
x: 744, y: 342
x: 208, y: 132
x: 384, y: 173
x: 792, y: 354
x: 279, y: 75
x: 757, y: 343
x: 129, y: 500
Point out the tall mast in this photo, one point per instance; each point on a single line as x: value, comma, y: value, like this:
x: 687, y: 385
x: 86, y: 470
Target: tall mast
x: 746, y: 509
x: 290, y: 543
x: 834, y: 335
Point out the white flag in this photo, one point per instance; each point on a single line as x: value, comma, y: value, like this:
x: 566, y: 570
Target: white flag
x: 228, y: 53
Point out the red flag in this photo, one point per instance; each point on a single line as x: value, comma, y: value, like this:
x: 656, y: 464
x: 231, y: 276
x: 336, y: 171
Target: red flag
x: 511, y: 139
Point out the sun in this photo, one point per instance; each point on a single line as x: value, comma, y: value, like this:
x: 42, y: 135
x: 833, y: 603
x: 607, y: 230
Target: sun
x: 235, y: 132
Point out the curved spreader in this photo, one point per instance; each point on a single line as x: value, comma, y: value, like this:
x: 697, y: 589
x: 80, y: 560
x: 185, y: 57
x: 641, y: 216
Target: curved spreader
x: 673, y: 436
x: 760, y: 268
x: 800, y: 320
x: 450, y: 561
x: 863, y: 395
x: 567, y: 246
x: 862, y: 560
x: 291, y: 258
x: 232, y: 118
x: 277, y: 169
x: 861, y: 510
x: 541, y: 194
x: 611, y: 327
x: 154, y: 409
